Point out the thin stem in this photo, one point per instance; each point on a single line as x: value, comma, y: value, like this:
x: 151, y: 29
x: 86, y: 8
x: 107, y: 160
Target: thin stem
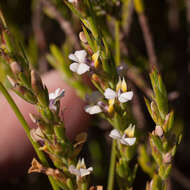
x: 177, y: 175
x: 84, y: 186
x: 27, y: 130
x: 64, y: 24
x: 117, y: 43
x: 140, y: 9
x: 112, y: 167
x: 188, y: 28
x: 148, y: 40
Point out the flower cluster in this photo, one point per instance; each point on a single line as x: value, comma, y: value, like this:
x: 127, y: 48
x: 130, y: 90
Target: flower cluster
x: 80, y: 62
x: 127, y: 138
x: 54, y: 97
x: 102, y: 62
x: 80, y: 170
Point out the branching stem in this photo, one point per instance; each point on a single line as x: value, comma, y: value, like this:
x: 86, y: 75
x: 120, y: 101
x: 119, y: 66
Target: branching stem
x: 112, y: 167
x: 27, y: 130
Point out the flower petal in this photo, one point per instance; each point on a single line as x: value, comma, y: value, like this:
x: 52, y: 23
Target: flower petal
x: 36, y: 134
x: 71, y: 1
x: 93, y: 109
x: 125, y: 97
x: 115, y: 134
x: 60, y: 94
x: 73, y: 57
x: 74, y: 67
x: 74, y: 171
x: 53, y: 95
x: 110, y: 94
x: 130, y: 131
x: 128, y: 141
x: 84, y: 172
x: 81, y: 56
x: 82, y: 68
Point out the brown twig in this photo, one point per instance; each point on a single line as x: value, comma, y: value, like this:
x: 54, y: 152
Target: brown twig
x: 137, y: 110
x: 39, y: 36
x: 188, y: 27
x: 64, y: 24
x: 129, y: 19
x: 180, y: 178
x: 169, y: 184
x: 139, y: 82
x: 127, y: 28
x: 173, y: 14
x: 148, y: 40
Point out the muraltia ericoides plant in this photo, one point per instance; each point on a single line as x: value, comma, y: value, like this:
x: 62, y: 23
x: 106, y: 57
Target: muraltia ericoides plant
x: 102, y: 60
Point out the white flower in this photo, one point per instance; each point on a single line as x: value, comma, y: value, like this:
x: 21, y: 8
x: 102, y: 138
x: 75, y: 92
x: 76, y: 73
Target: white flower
x: 95, y: 57
x: 121, y: 92
x: 57, y: 95
x: 54, y: 97
x: 81, y: 170
x: 115, y: 134
x: 36, y: 134
x: 79, y: 65
x: 93, y: 109
x: 73, y: 1
x: 122, y: 97
x: 130, y: 131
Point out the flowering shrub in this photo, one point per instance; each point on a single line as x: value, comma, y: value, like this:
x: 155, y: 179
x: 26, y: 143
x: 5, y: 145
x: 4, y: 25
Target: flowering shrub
x: 103, y: 61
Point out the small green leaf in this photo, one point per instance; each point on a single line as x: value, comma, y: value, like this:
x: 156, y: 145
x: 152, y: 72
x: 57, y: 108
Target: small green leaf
x: 90, y: 41
x: 157, y: 183
x: 73, y: 9
x: 157, y: 142
x: 122, y: 168
x: 60, y: 60
x: 139, y: 7
x: 164, y: 171
x: 155, y: 153
x: 145, y: 162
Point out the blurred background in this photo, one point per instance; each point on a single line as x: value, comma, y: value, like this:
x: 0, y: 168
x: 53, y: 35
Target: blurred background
x: 169, y: 22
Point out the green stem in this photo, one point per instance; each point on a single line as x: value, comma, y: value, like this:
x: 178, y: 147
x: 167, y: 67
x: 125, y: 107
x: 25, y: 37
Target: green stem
x: 117, y: 43
x: 27, y: 130
x: 112, y: 167
x: 84, y: 186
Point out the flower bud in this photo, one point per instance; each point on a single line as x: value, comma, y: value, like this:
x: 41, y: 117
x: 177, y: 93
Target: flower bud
x: 95, y: 78
x: 124, y: 85
x: 83, y: 37
x: 118, y: 86
x: 159, y: 131
x: 111, y: 106
x: 36, y: 82
x: 15, y: 67
x: 36, y: 134
x: 95, y: 58
x: 40, y: 91
x: 33, y: 118
x: 12, y: 81
x: 167, y: 158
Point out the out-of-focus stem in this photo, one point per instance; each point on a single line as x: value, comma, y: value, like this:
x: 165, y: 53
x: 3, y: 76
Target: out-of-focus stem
x: 27, y: 130
x: 84, y: 186
x: 139, y: 6
x: 117, y: 43
x: 148, y: 40
x: 110, y: 185
x: 188, y: 27
x: 180, y: 178
x: 139, y: 82
x: 64, y: 24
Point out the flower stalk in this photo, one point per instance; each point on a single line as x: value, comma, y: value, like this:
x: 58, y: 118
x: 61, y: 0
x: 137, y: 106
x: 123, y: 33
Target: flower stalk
x: 20, y: 117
